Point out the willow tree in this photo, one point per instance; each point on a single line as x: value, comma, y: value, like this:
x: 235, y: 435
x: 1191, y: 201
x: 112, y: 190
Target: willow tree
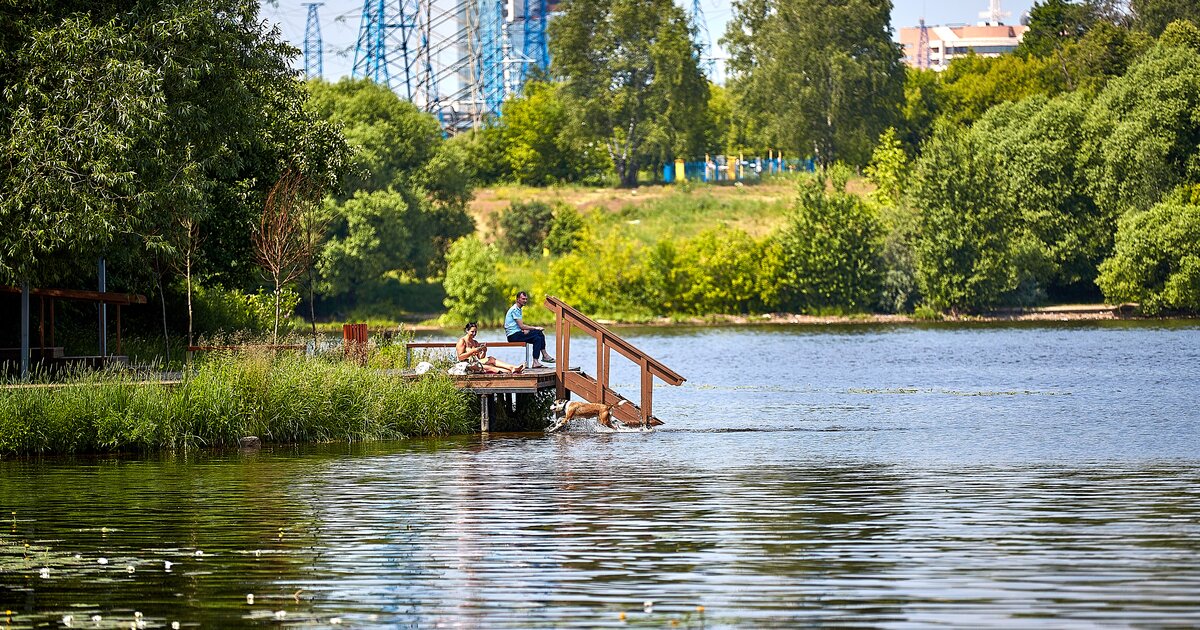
x: 634, y: 73
x: 824, y: 77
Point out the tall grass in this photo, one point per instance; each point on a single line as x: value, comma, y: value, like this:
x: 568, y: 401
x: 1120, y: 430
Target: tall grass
x: 284, y: 398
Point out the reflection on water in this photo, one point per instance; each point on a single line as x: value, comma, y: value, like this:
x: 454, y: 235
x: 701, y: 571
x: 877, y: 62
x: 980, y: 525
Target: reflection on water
x: 1016, y: 476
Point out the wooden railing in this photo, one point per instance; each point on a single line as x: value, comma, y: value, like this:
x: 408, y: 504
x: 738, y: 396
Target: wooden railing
x: 566, y: 319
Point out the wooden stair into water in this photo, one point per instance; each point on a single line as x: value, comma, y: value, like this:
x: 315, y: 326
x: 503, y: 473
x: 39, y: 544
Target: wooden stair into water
x: 566, y: 381
x: 578, y: 381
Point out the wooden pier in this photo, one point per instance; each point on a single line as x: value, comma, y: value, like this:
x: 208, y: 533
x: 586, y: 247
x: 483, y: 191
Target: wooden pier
x: 496, y: 389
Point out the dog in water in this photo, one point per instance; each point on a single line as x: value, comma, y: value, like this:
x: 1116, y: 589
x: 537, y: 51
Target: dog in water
x: 566, y: 411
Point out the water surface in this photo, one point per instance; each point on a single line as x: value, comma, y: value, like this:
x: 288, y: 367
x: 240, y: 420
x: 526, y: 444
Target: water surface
x: 1040, y: 475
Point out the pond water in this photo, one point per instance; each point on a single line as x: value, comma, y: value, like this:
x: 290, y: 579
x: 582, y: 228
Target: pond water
x: 1042, y: 475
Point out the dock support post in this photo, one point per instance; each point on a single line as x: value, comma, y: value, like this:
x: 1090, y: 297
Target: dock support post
x: 484, y: 416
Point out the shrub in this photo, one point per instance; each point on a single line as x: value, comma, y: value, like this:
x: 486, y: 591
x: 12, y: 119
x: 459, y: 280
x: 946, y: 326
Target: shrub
x: 1156, y: 261
x: 566, y: 231
x: 524, y: 226
x: 218, y: 310
x: 828, y: 255
x: 473, y: 288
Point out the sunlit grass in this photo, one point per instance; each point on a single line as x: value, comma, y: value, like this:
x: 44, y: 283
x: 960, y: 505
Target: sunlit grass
x: 279, y: 398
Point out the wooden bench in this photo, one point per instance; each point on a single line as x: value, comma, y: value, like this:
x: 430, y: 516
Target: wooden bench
x: 408, y: 347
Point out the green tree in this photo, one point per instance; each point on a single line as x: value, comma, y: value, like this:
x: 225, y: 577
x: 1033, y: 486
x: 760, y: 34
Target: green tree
x: 632, y: 70
x: 1153, y: 16
x: 484, y: 151
x: 397, y: 145
x: 1036, y: 143
x: 888, y: 169
x: 385, y: 233
x: 973, y: 84
x: 567, y: 231
x: 525, y: 225
x: 542, y: 145
x: 723, y: 265
x: 1055, y: 23
x: 1140, y: 134
x: 75, y: 119
x: 923, y: 102
x: 473, y: 289
x: 195, y: 98
x: 828, y: 253
x: 1156, y: 261
x: 825, y: 78
x: 965, y: 254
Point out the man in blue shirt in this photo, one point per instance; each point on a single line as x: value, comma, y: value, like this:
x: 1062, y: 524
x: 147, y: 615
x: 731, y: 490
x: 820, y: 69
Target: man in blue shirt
x: 518, y: 331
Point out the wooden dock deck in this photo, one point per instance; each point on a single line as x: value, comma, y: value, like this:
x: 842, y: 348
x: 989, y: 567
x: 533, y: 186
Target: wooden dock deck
x: 567, y: 380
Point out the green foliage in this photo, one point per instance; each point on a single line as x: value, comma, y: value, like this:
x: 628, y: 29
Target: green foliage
x: 923, y: 103
x: 484, y: 150
x: 719, y: 271
x: 220, y: 311
x: 125, y: 119
x: 1105, y: 52
x: 474, y: 291
x: 973, y: 84
x: 900, y: 290
x: 632, y: 72
x: 888, y: 169
x: 566, y: 231
x: 1153, y: 16
x: 601, y: 277
x: 964, y: 253
x: 396, y: 145
x: 1156, y: 260
x: 1140, y: 135
x: 1055, y: 23
x: 525, y: 225
x: 541, y: 142
x: 828, y: 255
x: 75, y: 118
x: 822, y: 78
x: 386, y: 232
x: 281, y: 399
x: 1037, y: 143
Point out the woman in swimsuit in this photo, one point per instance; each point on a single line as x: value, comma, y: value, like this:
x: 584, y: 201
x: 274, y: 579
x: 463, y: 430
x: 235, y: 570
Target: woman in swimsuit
x: 474, y: 354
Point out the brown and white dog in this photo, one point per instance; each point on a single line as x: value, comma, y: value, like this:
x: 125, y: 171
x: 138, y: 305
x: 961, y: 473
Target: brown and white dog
x: 566, y: 411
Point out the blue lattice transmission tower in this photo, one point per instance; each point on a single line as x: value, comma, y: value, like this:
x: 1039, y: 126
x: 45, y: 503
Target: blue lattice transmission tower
x: 445, y: 56
x: 313, y: 65
x: 371, y: 53
x: 534, y: 51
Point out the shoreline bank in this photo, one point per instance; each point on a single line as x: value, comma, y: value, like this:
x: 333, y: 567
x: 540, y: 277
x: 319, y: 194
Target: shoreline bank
x: 1059, y: 313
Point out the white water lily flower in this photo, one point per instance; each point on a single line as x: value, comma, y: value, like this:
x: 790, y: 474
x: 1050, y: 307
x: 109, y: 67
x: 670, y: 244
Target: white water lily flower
x: 45, y: 572
x: 102, y: 560
x: 96, y: 619
x: 280, y: 614
x: 199, y: 553
x: 68, y: 620
x: 174, y: 625
x: 335, y: 621
x: 250, y: 598
x: 129, y: 568
x: 648, y: 606
x: 167, y: 565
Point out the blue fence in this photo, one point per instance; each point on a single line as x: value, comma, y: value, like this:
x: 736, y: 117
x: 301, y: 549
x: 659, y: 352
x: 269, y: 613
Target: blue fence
x: 730, y: 169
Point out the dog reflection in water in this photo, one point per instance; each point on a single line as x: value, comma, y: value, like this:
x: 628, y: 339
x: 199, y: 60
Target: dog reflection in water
x: 566, y: 411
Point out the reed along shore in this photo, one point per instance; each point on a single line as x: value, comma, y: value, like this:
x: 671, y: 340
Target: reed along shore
x: 280, y: 399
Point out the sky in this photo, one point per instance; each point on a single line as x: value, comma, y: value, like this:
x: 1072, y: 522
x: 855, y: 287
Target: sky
x: 340, y: 21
